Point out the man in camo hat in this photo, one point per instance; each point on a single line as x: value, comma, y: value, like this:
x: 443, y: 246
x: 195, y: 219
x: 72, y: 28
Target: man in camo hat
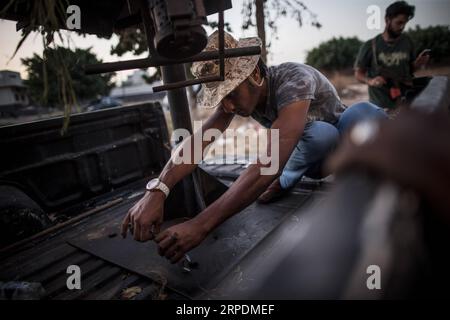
x: 294, y: 98
x: 236, y: 70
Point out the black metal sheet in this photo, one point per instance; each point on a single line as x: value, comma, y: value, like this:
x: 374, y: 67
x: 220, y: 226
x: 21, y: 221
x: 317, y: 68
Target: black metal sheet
x: 216, y: 256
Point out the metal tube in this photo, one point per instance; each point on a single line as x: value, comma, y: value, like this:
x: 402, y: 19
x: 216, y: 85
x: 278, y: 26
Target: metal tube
x: 221, y: 41
x: 178, y: 102
x: 186, y: 83
x: 221, y: 76
x: 157, y: 61
x: 181, y: 118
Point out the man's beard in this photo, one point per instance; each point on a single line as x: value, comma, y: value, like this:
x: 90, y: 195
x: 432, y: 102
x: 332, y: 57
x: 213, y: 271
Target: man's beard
x: 392, y: 34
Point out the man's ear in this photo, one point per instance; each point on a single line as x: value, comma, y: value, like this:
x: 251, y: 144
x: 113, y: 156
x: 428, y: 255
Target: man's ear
x: 255, y: 78
x: 256, y: 74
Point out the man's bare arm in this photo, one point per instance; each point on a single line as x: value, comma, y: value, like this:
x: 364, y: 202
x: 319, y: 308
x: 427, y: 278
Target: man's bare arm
x: 146, y: 216
x: 172, y: 173
x: 244, y: 190
x: 290, y: 123
x: 421, y: 61
x: 361, y: 76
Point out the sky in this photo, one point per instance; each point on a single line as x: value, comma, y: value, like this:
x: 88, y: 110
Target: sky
x: 346, y: 18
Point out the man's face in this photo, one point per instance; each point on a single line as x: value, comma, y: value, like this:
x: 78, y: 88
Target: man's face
x: 396, y: 25
x: 242, y: 100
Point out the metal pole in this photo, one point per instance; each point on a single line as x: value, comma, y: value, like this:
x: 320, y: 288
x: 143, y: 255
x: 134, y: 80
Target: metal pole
x: 181, y: 118
x: 178, y: 102
x: 156, y: 61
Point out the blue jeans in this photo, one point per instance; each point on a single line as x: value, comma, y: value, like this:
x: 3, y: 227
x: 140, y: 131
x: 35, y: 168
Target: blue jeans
x: 320, y: 138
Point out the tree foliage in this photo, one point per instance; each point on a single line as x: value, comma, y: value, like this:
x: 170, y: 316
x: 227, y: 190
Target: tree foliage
x: 276, y: 9
x: 130, y: 40
x: 340, y: 53
x: 41, y: 74
x: 335, y: 54
x: 436, y: 38
x: 45, y: 18
x: 265, y: 13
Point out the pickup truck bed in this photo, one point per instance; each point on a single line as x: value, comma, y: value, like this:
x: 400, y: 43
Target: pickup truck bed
x: 46, y: 258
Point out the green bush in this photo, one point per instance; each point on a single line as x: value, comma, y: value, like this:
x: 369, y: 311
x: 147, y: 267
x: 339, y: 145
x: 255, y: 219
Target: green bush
x: 335, y: 54
x: 340, y: 53
x: 436, y: 38
x: 47, y: 85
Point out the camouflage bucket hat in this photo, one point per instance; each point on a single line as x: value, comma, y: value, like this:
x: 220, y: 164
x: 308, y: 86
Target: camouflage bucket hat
x: 236, y: 69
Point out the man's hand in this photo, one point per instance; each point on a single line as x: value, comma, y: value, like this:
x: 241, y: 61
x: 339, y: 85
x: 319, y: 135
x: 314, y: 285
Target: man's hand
x: 422, y: 59
x: 175, y: 241
x: 145, y: 218
x: 376, y: 82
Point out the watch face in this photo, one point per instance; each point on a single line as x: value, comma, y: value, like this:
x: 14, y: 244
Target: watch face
x: 152, y: 184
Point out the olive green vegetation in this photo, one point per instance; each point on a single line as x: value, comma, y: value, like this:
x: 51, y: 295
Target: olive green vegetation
x: 83, y: 86
x: 46, y: 18
x: 335, y: 54
x: 340, y: 53
x: 436, y: 38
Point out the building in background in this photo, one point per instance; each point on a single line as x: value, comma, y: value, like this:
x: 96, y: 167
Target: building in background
x: 13, y: 93
x: 136, y: 90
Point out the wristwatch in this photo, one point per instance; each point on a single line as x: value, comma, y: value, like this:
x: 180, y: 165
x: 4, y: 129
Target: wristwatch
x: 156, y: 184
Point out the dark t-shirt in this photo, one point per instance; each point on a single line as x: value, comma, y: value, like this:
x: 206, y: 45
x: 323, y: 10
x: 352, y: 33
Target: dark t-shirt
x: 393, y: 62
x: 290, y: 82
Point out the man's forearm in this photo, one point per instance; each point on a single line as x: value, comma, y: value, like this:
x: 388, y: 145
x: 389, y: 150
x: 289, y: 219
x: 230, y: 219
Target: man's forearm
x: 174, y: 171
x: 361, y: 76
x: 415, y: 66
x: 251, y: 183
x: 242, y: 193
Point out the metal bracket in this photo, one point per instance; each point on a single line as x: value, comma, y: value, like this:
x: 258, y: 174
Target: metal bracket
x: 155, y: 60
x: 220, y: 77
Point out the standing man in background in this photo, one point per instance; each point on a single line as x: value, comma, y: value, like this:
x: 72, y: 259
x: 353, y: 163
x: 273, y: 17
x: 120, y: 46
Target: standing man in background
x: 387, y: 62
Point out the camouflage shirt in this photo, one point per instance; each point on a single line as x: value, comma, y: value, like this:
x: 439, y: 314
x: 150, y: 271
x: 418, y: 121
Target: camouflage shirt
x: 290, y: 82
